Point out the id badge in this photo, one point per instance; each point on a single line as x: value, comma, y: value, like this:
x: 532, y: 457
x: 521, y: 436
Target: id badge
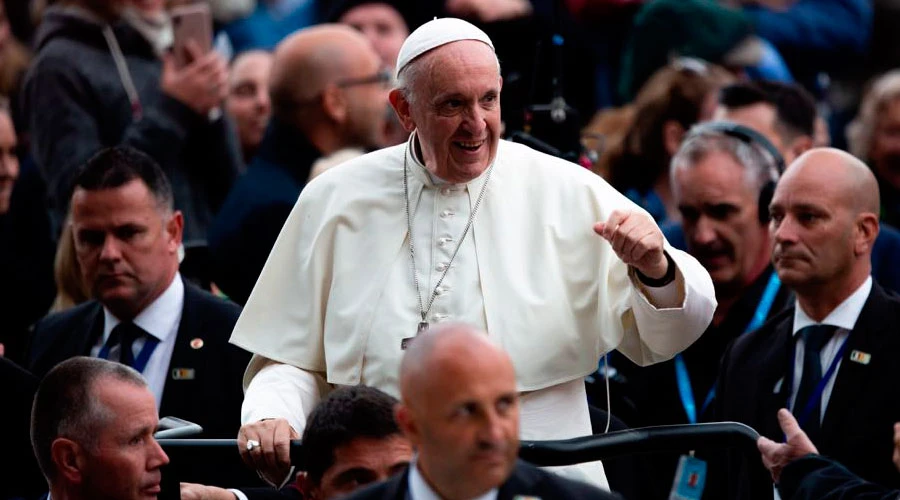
x: 690, y: 478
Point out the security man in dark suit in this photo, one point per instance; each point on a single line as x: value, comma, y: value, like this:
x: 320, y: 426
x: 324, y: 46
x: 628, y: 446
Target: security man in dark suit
x: 831, y: 358
x: 460, y: 409
x: 127, y: 237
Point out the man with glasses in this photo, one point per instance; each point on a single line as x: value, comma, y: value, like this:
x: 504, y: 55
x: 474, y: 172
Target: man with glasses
x: 327, y: 95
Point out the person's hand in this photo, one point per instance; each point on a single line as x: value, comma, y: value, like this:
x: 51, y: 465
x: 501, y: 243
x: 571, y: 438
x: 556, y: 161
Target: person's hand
x: 191, y: 491
x: 637, y: 240
x: 776, y: 455
x: 201, y: 85
x: 270, y: 453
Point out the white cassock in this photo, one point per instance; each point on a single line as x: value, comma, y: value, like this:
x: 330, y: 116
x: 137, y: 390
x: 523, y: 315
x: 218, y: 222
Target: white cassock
x: 337, y: 296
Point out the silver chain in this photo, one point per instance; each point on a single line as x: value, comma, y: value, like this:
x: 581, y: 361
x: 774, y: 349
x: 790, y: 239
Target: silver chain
x: 423, y: 310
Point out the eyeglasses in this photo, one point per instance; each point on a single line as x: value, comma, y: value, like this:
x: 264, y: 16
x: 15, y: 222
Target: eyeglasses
x: 382, y: 77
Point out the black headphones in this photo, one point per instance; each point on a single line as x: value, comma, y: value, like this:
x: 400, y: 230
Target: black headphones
x: 750, y: 137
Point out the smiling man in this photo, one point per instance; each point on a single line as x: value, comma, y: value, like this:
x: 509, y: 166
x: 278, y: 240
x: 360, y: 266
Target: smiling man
x: 92, y: 430
x: 458, y: 225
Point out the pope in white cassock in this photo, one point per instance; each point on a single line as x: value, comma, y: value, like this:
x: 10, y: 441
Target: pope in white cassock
x: 457, y: 225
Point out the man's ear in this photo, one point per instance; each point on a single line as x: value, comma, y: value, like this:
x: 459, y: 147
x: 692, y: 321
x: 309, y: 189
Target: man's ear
x: 404, y: 418
x: 334, y: 103
x: 867, y: 227
x: 801, y: 145
x: 69, y: 459
x: 402, y: 108
x: 308, y: 490
x: 175, y: 230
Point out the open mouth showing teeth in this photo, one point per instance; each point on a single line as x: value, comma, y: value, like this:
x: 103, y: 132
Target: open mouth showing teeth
x: 469, y: 145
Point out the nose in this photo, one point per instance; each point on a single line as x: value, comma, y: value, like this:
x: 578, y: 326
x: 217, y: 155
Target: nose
x: 263, y: 101
x: 474, y: 121
x: 158, y: 457
x: 783, y: 231
x: 704, y: 232
x: 110, y: 249
x: 493, y: 430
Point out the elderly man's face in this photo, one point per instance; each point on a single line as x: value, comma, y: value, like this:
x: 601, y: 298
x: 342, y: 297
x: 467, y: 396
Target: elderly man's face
x: 248, y: 97
x: 125, y: 244
x: 382, y: 25
x: 362, y: 461
x: 719, y: 209
x: 126, y: 460
x: 9, y: 161
x: 456, y: 110
x: 885, y: 150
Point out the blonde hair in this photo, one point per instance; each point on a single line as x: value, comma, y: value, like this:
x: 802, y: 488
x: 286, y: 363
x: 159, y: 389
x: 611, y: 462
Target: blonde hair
x: 884, y: 90
x: 70, y: 286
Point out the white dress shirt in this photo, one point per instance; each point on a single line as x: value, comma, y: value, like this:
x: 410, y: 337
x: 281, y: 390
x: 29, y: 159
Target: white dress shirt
x: 844, y: 317
x: 419, y: 489
x: 160, y: 319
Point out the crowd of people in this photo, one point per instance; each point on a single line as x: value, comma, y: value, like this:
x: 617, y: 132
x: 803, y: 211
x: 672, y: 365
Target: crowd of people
x: 321, y: 224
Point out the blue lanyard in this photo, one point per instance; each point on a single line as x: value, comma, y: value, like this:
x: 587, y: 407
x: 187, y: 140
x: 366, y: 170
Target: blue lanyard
x: 140, y: 362
x: 816, y: 397
x: 685, y: 391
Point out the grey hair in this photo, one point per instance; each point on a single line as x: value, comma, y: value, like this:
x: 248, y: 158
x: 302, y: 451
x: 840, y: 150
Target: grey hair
x: 885, y: 89
x: 66, y: 405
x: 758, y: 164
x: 410, y: 75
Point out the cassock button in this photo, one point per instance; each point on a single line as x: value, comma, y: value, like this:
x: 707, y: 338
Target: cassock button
x: 445, y: 191
x: 441, y: 267
x: 446, y: 214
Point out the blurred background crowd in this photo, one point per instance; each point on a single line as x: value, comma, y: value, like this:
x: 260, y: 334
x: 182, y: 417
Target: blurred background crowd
x: 613, y: 85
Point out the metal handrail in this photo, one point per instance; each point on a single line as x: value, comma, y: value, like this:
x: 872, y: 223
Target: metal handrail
x: 570, y: 451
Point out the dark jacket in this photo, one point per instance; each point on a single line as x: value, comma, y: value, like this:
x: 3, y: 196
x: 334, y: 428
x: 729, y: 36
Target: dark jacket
x: 245, y: 230
x: 815, y: 477
x: 77, y: 105
x: 212, y: 398
x: 526, y: 481
x: 21, y: 475
x: 857, y: 427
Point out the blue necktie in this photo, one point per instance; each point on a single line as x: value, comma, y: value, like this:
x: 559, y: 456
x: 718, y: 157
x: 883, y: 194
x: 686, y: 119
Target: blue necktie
x: 814, y: 338
x: 125, y: 334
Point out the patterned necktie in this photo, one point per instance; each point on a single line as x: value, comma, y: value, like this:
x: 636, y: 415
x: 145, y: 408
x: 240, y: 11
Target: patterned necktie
x: 126, y: 333
x: 814, y: 338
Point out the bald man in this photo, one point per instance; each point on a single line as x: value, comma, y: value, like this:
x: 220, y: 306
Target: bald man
x: 327, y: 94
x: 831, y: 359
x: 460, y: 409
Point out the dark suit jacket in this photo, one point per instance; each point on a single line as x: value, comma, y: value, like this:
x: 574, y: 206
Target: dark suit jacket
x: 857, y: 428
x: 212, y: 399
x: 21, y: 475
x: 526, y: 479
x: 250, y: 220
x: 815, y: 477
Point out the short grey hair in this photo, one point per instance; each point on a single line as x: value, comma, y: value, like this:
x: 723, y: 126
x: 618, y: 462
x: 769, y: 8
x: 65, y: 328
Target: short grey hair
x: 66, y: 405
x: 759, y: 166
x: 409, y: 76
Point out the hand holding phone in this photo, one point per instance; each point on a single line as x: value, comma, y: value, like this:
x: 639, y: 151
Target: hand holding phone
x: 192, y: 27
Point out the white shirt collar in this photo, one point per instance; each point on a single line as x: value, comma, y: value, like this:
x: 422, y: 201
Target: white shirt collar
x: 420, y: 490
x: 843, y: 316
x: 157, y: 319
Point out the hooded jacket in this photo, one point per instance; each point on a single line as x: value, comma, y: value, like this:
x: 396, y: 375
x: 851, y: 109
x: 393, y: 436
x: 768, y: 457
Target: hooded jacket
x: 76, y: 97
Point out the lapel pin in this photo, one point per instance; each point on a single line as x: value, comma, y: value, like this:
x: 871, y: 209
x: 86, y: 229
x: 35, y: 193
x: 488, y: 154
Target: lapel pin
x: 196, y: 343
x: 860, y: 357
x: 183, y: 374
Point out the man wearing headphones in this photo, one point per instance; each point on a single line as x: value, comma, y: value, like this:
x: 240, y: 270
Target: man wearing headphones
x: 722, y: 180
